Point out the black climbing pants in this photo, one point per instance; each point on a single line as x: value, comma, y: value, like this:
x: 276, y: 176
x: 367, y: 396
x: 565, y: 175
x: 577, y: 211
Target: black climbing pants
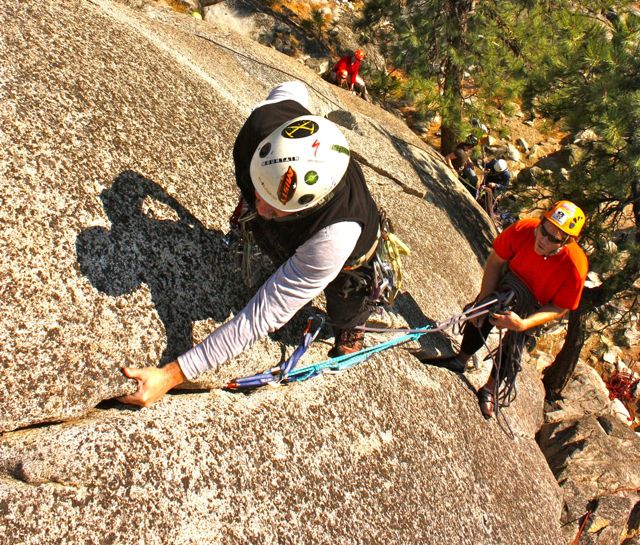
x: 347, y: 297
x: 473, y: 338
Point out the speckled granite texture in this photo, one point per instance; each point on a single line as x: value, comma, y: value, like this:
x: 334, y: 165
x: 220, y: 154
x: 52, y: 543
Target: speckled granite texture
x: 116, y: 186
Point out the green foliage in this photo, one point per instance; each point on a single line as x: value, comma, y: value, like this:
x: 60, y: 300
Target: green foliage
x: 592, y: 81
x: 317, y: 24
x: 464, y: 53
x: 383, y: 85
x: 317, y: 17
x: 574, y: 62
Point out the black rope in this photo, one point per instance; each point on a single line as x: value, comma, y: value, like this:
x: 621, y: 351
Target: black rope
x: 252, y: 59
x: 507, y: 356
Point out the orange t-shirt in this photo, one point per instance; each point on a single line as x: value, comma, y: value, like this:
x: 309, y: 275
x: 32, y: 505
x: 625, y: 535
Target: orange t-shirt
x: 556, y: 279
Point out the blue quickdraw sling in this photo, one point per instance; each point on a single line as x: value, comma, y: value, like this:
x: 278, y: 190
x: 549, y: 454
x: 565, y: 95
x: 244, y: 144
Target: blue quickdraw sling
x: 281, y: 372
x: 286, y: 371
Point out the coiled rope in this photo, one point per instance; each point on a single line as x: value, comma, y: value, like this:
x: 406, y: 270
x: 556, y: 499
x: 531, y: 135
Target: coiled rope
x: 506, y: 357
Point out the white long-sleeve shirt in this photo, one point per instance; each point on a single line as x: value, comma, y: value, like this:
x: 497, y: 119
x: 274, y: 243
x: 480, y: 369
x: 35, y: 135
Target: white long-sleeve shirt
x: 301, y: 278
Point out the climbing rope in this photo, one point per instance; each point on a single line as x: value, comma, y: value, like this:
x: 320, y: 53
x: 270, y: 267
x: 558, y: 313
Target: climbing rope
x: 286, y: 372
x: 487, y: 201
x: 507, y: 356
x: 622, y: 386
x: 266, y: 65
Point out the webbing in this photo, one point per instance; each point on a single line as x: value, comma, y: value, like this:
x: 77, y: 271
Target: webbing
x: 287, y: 373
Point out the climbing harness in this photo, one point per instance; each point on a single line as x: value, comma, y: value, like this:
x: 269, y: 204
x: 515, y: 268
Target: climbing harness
x: 383, y: 275
x: 286, y: 372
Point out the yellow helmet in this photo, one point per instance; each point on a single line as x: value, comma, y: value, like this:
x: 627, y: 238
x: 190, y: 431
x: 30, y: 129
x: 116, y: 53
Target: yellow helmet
x: 567, y: 217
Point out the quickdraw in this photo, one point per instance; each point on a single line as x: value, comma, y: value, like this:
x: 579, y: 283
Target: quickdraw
x: 240, y: 240
x: 281, y: 372
x: 387, y: 264
x: 286, y: 372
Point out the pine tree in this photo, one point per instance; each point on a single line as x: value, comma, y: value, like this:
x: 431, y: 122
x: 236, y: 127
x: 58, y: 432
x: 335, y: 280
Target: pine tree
x: 574, y: 62
x: 592, y: 81
x: 456, y: 55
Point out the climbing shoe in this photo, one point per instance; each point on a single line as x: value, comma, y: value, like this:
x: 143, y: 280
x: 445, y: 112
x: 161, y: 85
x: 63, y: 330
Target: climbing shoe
x: 347, y: 341
x: 487, y: 402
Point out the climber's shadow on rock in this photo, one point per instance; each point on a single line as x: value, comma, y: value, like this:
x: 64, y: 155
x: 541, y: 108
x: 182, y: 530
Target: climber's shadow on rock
x: 155, y: 241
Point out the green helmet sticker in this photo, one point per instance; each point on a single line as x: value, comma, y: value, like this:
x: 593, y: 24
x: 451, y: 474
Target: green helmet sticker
x: 340, y: 149
x: 311, y: 177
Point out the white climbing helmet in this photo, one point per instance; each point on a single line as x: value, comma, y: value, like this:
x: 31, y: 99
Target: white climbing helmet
x: 300, y: 163
x: 500, y: 165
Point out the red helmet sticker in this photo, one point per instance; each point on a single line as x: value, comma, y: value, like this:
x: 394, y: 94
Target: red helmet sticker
x: 288, y: 185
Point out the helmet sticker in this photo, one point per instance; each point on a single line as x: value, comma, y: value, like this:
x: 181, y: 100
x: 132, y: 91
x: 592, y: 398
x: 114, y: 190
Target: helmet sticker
x: 562, y: 214
x: 340, y: 149
x: 559, y: 216
x: 311, y: 177
x: 305, y: 199
x: 279, y: 160
x: 287, y: 187
x: 315, y: 146
x: 264, y: 150
x: 300, y: 129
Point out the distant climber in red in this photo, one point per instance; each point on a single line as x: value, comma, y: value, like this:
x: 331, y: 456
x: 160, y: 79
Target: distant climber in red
x: 345, y: 73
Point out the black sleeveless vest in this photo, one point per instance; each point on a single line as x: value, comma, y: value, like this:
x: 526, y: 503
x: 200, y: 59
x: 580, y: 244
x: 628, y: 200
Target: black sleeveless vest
x: 351, y: 201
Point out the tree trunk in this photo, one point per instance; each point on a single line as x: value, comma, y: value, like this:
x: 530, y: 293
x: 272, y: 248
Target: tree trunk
x: 560, y: 371
x: 452, y: 112
x: 558, y: 374
x: 459, y: 12
x: 635, y: 195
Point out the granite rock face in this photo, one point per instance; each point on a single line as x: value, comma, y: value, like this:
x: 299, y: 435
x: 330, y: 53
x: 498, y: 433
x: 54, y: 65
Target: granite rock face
x: 596, y: 459
x: 120, y: 182
x: 117, y: 127
x: 388, y: 453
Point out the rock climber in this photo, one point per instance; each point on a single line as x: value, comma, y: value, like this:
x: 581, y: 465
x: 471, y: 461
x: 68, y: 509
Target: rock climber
x: 497, y: 176
x: 345, y: 73
x: 540, y: 261
x: 313, y: 215
x: 460, y: 161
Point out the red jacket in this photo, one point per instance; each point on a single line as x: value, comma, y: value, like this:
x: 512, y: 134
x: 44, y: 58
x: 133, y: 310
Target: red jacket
x: 349, y: 63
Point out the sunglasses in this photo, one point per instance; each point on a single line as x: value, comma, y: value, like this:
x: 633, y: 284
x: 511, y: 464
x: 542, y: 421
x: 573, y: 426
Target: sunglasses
x: 550, y: 237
